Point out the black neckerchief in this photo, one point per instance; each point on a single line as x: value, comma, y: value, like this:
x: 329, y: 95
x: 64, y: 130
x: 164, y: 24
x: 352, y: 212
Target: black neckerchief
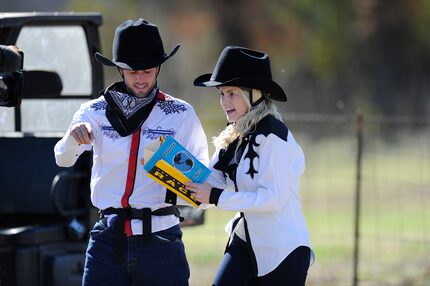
x: 126, y: 123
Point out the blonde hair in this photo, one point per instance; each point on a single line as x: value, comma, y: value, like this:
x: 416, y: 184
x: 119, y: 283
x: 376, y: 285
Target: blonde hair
x: 247, y: 122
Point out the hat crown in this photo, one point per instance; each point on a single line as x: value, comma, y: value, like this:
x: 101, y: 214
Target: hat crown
x: 243, y: 67
x: 238, y: 62
x: 138, y: 39
x: 137, y: 45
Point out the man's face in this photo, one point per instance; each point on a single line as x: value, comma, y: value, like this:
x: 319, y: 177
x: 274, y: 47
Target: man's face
x: 140, y: 82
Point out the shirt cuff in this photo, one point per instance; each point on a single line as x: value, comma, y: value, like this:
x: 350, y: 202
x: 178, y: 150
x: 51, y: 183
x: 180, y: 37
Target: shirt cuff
x: 214, y: 196
x: 70, y: 143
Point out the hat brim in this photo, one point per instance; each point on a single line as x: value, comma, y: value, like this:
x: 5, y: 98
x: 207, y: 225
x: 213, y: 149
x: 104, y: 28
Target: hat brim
x: 139, y: 64
x: 274, y: 91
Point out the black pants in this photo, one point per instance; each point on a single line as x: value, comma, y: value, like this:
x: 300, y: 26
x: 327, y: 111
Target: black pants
x: 236, y: 269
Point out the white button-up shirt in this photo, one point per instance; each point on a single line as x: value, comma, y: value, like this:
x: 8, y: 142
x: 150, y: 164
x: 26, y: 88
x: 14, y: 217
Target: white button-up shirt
x: 169, y: 117
x: 270, y: 200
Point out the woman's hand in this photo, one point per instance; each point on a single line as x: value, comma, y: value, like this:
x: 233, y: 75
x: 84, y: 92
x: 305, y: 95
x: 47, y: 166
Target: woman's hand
x: 201, y: 192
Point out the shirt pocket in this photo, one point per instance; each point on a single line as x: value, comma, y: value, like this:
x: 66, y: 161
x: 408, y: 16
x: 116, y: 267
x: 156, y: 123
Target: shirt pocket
x: 113, y: 147
x: 149, y: 134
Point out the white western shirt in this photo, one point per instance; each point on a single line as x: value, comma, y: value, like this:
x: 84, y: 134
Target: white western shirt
x: 270, y: 201
x: 169, y: 117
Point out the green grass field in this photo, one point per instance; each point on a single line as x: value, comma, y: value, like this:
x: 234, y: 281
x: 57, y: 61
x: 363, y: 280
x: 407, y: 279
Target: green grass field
x: 205, y: 246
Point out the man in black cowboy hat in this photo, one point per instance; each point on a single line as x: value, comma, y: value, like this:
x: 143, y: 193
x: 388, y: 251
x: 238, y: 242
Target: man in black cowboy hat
x: 137, y: 240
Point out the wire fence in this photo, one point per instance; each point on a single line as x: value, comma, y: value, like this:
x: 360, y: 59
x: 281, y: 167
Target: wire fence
x: 366, y: 195
x: 368, y: 211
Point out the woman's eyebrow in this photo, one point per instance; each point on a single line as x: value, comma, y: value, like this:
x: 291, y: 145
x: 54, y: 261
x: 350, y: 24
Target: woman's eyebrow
x: 230, y: 90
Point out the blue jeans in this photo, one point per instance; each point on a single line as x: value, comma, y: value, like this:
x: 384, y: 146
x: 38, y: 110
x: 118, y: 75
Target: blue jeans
x: 159, y: 261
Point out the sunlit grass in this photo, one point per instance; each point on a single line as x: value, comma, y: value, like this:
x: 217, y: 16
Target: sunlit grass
x: 205, y: 246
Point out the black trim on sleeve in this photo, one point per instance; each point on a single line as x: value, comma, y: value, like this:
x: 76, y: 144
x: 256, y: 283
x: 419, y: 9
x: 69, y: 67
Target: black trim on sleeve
x: 214, y: 196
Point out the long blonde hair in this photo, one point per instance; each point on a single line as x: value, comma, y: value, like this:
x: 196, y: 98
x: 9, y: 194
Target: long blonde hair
x: 247, y: 122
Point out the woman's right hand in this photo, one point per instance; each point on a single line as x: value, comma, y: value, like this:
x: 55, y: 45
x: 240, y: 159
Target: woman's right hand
x: 201, y: 192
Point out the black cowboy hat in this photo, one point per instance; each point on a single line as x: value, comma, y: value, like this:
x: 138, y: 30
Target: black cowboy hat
x: 242, y: 67
x: 137, y: 46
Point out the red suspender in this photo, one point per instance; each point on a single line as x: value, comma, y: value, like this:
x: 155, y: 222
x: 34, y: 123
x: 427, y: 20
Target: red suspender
x: 161, y: 95
x: 131, y: 175
x: 131, y: 172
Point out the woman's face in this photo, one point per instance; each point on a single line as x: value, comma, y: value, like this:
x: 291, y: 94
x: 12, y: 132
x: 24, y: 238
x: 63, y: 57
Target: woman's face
x: 233, y: 103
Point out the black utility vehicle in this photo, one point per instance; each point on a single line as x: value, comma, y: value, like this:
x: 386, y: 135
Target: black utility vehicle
x: 45, y: 210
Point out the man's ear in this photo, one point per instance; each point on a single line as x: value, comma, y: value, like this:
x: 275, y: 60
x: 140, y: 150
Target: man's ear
x: 120, y: 70
x: 158, y: 70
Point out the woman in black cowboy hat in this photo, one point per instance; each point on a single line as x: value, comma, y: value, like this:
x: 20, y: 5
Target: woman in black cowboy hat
x: 255, y: 171
x: 137, y: 240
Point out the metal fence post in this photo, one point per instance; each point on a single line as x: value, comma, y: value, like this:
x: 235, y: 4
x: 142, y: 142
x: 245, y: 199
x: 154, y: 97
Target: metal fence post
x: 359, y: 126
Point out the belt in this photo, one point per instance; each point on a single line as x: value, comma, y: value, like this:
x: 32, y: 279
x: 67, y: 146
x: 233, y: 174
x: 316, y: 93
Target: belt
x: 144, y: 214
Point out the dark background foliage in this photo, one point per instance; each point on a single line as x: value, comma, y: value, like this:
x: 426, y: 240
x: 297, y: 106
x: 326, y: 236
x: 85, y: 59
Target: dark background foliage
x: 330, y: 56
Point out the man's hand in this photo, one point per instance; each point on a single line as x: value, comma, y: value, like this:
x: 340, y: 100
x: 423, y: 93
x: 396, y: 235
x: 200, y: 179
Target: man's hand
x: 82, y: 133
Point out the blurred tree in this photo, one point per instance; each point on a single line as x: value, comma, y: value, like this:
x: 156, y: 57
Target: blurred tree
x: 396, y: 61
x: 330, y: 56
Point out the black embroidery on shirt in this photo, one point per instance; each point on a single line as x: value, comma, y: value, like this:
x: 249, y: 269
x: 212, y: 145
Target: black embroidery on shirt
x: 268, y: 125
x: 251, y: 154
x: 170, y: 107
x: 226, y: 162
x: 110, y: 132
x: 153, y: 134
x: 100, y: 104
x: 228, y: 159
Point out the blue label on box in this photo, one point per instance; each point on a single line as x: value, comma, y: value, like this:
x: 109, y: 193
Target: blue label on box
x: 177, y: 156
